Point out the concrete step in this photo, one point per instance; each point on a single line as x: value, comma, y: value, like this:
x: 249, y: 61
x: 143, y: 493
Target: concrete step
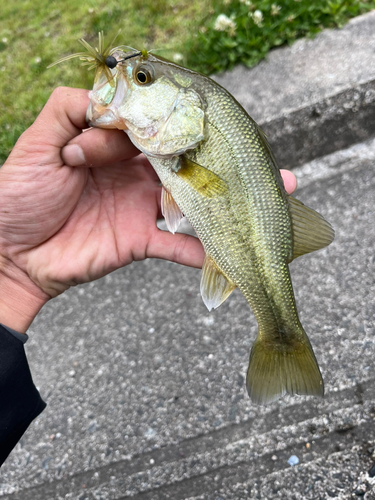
x: 315, y: 97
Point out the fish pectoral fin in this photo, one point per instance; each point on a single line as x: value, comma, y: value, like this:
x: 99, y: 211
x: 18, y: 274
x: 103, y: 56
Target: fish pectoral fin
x: 310, y: 230
x: 276, y: 369
x: 200, y: 178
x: 215, y: 287
x: 170, y: 210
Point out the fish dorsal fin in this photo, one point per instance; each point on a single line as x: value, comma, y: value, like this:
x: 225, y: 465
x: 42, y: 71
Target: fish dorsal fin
x: 201, y: 179
x: 215, y: 287
x: 170, y: 210
x: 310, y: 230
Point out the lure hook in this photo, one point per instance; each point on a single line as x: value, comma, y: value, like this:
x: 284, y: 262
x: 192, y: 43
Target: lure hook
x: 112, y: 62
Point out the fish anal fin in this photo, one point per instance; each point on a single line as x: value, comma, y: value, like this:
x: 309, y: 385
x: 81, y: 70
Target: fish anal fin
x: 310, y: 230
x: 201, y: 179
x: 215, y: 287
x: 275, y: 370
x: 170, y: 210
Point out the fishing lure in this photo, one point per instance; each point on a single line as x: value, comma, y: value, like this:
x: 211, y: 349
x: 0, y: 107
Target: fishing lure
x: 101, y: 58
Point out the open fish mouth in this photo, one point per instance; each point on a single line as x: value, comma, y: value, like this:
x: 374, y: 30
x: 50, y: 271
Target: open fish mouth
x: 103, y: 115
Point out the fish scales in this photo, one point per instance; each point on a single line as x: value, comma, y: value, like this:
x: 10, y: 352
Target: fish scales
x: 253, y: 247
x: 216, y: 168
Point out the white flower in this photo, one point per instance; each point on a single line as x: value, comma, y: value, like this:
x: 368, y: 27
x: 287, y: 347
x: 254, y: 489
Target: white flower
x: 225, y: 23
x: 38, y: 60
x: 275, y: 9
x: 177, y: 57
x: 4, y: 40
x: 257, y: 17
x: 246, y: 2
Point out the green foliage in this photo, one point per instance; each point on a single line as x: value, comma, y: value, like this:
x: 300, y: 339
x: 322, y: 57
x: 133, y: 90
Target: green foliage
x: 105, y: 20
x: 252, y: 28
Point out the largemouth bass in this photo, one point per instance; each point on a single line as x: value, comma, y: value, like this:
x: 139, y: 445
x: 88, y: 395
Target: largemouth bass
x: 217, y: 169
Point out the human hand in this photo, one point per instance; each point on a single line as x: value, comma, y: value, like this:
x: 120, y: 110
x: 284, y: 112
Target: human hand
x: 61, y: 225
x: 70, y: 215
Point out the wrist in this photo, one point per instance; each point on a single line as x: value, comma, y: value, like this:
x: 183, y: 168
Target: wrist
x: 20, y: 298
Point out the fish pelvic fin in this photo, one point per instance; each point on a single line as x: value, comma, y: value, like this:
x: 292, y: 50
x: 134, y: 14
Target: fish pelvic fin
x: 276, y: 369
x: 310, y: 230
x: 215, y: 287
x: 170, y: 211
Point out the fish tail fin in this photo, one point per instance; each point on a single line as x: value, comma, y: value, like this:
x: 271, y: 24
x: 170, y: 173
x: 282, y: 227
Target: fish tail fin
x: 277, y: 368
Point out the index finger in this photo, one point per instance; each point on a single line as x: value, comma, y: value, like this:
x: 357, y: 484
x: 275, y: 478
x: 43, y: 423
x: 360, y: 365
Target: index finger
x: 62, y: 118
x: 290, y: 181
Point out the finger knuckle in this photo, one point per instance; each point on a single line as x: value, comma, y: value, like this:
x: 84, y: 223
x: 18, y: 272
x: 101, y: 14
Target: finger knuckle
x: 59, y: 93
x: 179, y: 248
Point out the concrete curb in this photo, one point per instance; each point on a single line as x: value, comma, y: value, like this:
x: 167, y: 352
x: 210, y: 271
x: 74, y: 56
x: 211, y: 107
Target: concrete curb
x: 314, y: 97
x: 323, y: 127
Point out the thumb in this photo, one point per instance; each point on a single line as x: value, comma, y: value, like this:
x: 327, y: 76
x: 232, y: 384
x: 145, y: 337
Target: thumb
x: 98, y: 147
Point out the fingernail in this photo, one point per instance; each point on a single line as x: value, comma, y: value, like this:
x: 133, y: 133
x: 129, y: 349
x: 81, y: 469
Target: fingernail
x: 73, y: 156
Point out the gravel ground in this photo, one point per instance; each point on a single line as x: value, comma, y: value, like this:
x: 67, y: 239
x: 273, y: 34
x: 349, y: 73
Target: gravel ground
x: 145, y: 388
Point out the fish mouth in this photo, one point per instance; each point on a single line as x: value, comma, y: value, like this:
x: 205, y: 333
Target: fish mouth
x: 106, y: 116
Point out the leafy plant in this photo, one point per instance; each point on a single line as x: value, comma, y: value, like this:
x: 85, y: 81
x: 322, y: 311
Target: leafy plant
x: 243, y: 31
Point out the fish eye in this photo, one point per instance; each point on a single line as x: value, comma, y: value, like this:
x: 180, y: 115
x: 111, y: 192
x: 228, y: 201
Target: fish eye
x: 143, y: 75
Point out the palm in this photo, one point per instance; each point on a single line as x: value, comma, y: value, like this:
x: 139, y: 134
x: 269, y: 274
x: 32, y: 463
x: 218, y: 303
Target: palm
x: 99, y: 219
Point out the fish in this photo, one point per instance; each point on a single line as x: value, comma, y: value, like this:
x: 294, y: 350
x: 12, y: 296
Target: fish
x: 217, y: 169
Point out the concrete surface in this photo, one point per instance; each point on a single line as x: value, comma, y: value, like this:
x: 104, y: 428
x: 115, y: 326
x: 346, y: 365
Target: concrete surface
x: 145, y: 388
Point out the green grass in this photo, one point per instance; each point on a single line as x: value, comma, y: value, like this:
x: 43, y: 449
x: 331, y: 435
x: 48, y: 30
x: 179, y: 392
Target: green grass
x: 34, y: 34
